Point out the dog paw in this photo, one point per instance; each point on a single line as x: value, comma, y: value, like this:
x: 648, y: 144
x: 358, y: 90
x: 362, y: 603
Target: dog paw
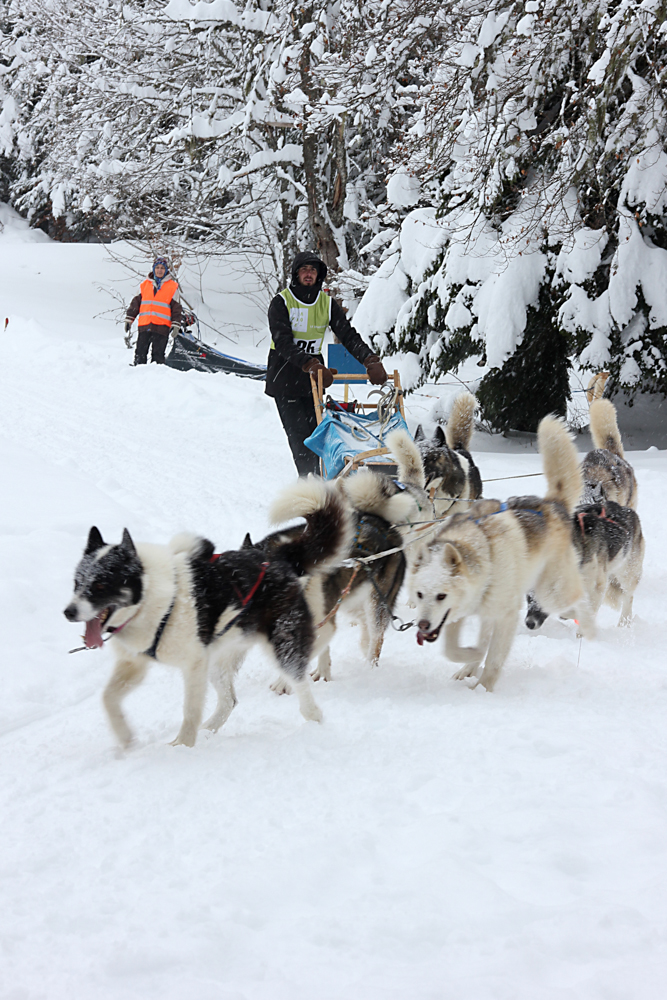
x: 212, y: 725
x: 121, y: 749
x: 463, y: 673
x: 321, y: 674
x: 313, y: 714
x: 587, y: 631
x: 185, y: 739
x: 281, y: 686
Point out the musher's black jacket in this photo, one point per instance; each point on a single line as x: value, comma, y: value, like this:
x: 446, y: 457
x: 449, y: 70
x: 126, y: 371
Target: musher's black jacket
x: 284, y: 376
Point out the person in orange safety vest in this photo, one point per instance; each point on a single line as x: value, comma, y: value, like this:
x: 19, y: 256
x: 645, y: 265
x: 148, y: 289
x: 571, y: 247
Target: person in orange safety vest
x: 157, y: 311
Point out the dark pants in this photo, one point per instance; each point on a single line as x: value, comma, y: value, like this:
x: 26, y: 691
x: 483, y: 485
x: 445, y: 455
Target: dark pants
x: 149, y: 338
x: 299, y: 420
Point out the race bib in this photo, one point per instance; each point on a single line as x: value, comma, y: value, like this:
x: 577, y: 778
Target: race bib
x: 299, y: 320
x: 310, y: 346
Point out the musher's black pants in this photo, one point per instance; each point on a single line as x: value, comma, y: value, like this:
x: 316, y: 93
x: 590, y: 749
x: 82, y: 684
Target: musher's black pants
x: 299, y: 420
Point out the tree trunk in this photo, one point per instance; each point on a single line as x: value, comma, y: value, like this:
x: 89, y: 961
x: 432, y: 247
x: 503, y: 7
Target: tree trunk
x: 324, y: 237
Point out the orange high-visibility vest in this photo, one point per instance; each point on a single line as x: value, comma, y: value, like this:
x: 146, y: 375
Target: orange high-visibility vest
x: 156, y: 306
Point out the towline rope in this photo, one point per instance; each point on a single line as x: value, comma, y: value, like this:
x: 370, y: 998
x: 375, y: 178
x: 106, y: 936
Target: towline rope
x: 425, y: 525
x: 343, y: 595
x: 500, y: 479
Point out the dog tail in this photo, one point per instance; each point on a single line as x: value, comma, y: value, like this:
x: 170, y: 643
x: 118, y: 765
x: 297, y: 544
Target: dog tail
x: 327, y: 537
x: 408, y: 456
x: 560, y: 461
x: 371, y: 493
x: 192, y: 545
x: 461, y: 423
x: 604, y: 427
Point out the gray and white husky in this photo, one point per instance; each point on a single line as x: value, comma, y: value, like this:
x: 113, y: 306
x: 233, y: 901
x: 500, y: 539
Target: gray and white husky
x: 609, y: 540
x: 482, y: 562
x: 605, y: 528
x: 450, y: 473
x: 184, y: 605
x: 607, y: 473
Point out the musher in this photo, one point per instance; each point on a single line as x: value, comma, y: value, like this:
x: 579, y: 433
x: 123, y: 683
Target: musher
x: 158, y: 311
x: 298, y: 319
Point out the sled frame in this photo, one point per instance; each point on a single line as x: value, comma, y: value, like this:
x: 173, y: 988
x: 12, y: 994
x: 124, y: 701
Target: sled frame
x: 353, y: 462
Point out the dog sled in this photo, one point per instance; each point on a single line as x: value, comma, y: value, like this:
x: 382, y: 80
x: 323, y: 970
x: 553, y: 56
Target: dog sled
x: 190, y: 352
x: 350, y: 433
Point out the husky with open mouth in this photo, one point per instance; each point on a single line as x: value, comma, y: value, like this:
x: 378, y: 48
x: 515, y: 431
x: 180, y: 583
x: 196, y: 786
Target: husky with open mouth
x: 184, y: 605
x: 482, y: 562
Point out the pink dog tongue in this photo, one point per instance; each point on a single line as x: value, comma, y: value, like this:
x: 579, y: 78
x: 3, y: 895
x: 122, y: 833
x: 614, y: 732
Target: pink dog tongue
x: 93, y: 637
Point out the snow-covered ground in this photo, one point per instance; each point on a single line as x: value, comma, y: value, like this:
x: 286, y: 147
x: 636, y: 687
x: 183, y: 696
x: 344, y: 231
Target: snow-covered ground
x: 426, y: 841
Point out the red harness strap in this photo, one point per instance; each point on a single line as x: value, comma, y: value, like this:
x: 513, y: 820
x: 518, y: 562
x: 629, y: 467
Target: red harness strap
x: 251, y: 593
x: 602, y: 516
x: 253, y: 590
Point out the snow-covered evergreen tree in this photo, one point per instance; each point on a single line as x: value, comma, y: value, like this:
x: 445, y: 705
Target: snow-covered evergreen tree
x: 545, y: 132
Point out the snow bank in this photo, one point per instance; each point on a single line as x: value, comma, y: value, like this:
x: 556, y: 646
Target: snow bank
x: 427, y: 840
x: 15, y: 229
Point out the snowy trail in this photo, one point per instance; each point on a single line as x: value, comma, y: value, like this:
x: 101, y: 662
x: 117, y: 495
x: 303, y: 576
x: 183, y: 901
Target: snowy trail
x: 426, y: 841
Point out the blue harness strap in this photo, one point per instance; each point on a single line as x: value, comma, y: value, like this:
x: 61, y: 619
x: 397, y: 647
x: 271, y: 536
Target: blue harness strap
x: 505, y: 506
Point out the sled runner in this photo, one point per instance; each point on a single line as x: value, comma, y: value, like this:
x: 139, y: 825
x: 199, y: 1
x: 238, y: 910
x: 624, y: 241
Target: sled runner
x: 191, y: 352
x: 350, y: 434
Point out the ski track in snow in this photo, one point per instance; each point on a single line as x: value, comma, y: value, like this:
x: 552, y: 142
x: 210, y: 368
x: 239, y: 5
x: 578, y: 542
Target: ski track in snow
x: 426, y: 841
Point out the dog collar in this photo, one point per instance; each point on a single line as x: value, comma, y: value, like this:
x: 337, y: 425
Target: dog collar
x: 114, y: 630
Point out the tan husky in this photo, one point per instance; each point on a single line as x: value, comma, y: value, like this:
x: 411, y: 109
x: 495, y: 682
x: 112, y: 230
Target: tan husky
x: 484, y: 561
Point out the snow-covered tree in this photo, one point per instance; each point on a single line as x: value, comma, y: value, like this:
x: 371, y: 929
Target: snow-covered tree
x: 545, y: 132
x: 266, y: 127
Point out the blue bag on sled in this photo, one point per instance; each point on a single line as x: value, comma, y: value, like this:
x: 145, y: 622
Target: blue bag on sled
x: 347, y: 434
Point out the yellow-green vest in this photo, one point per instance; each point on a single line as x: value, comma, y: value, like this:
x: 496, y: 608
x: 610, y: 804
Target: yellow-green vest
x: 309, y: 322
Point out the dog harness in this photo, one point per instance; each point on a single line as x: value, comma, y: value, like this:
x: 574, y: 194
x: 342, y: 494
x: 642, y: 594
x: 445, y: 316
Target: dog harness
x: 602, y: 516
x: 152, y: 651
x: 245, y: 601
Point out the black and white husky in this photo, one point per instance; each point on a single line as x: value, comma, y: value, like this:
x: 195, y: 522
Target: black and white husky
x: 451, y: 475
x: 367, y: 595
x: 381, y: 511
x: 181, y: 604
